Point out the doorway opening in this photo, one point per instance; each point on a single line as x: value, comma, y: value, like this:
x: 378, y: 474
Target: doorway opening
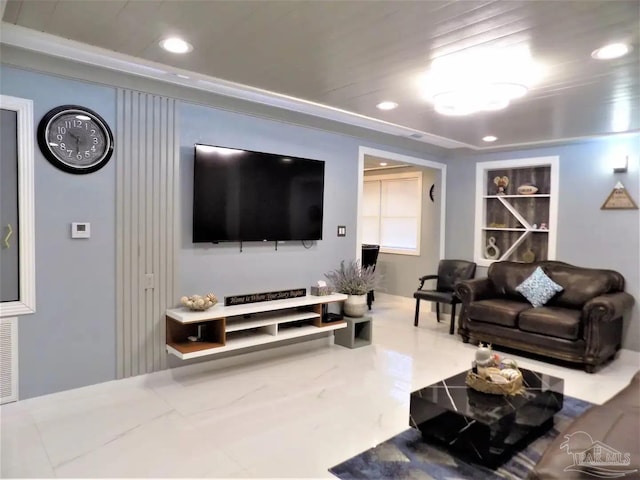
x: 409, y: 195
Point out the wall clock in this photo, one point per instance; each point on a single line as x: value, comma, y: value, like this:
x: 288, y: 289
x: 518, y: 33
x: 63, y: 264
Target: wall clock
x: 75, y: 139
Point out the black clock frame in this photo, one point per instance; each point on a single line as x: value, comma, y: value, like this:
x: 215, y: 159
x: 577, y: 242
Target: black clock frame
x: 53, y: 159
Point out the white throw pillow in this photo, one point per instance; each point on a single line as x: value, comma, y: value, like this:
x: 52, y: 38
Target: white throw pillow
x: 538, y: 288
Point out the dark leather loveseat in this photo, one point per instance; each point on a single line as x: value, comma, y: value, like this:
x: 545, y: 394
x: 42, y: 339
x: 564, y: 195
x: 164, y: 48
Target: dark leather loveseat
x: 612, y: 427
x: 581, y: 324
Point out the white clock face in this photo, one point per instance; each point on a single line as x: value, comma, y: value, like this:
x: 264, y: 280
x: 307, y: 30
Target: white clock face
x: 77, y: 139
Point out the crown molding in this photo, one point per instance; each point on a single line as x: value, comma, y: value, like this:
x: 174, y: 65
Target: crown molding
x: 52, y: 45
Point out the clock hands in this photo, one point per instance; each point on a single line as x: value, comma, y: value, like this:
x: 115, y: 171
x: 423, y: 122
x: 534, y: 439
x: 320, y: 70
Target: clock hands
x: 77, y: 139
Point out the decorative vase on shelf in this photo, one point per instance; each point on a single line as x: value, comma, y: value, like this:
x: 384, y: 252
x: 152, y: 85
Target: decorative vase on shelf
x: 354, y: 281
x: 501, y: 184
x: 355, y: 305
x: 529, y: 256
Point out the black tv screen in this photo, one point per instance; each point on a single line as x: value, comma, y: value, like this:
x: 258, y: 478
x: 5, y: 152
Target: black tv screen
x: 241, y: 195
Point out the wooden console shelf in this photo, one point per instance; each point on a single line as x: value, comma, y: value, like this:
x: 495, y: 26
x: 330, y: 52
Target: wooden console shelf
x: 223, y: 329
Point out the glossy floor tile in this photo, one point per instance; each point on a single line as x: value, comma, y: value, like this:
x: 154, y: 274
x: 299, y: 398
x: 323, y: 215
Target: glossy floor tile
x: 289, y: 412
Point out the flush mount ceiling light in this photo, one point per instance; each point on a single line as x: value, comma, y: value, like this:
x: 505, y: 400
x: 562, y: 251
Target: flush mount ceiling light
x: 489, y: 138
x: 387, y: 105
x: 176, y: 45
x: 613, y: 50
x: 480, y: 80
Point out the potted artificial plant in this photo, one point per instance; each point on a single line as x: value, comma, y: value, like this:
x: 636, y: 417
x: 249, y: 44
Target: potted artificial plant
x: 355, y: 281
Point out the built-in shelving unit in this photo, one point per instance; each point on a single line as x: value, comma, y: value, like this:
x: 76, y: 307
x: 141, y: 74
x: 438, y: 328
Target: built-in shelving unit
x: 511, y: 225
x: 223, y: 329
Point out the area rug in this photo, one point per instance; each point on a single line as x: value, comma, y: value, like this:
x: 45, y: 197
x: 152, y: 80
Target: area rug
x: 408, y: 456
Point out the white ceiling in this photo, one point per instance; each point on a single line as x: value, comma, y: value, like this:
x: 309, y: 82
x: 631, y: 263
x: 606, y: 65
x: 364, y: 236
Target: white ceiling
x: 350, y: 55
x: 372, y: 162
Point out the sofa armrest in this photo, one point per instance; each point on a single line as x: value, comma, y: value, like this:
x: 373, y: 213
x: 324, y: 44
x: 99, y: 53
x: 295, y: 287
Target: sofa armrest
x: 607, y: 307
x: 602, y: 317
x: 477, y: 289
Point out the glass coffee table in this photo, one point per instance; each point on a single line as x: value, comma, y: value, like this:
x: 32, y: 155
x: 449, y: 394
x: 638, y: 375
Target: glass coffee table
x: 485, y: 428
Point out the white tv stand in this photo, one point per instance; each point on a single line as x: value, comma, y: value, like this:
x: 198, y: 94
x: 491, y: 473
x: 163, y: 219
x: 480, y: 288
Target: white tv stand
x: 239, y: 326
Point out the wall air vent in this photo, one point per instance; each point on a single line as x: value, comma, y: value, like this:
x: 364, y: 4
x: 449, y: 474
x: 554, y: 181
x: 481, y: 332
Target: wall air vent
x: 8, y: 360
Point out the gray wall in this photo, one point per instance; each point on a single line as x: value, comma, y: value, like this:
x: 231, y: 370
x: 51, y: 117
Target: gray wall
x: 70, y: 340
x: 587, y: 235
x: 222, y: 268
x: 400, y: 273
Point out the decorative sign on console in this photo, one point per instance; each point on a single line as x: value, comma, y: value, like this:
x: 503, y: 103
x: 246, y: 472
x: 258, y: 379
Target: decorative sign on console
x: 264, y: 297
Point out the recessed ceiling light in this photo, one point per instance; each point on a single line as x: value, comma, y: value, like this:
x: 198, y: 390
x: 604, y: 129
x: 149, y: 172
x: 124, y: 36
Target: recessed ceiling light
x: 176, y: 45
x: 383, y: 164
x: 613, y: 50
x: 489, y: 138
x: 387, y: 105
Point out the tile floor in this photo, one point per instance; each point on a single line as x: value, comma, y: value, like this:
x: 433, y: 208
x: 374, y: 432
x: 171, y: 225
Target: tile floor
x: 288, y: 413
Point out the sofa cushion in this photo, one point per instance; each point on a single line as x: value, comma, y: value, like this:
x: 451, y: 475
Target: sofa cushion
x: 609, y: 428
x: 538, y: 288
x: 580, y: 284
x: 553, y: 321
x: 506, y: 276
x: 613, y: 425
x: 497, y: 311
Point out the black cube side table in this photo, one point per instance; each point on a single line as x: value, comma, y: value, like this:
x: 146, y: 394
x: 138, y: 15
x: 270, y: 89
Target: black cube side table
x: 357, y: 334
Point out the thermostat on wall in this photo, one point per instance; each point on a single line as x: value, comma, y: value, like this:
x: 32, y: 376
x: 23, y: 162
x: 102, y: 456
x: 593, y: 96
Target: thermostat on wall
x: 80, y: 230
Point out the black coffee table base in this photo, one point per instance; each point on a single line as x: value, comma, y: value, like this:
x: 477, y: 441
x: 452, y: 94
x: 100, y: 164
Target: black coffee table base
x: 483, y: 428
x: 476, y: 445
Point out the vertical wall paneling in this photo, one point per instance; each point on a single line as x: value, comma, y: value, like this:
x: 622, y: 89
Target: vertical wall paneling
x: 8, y: 359
x: 147, y: 164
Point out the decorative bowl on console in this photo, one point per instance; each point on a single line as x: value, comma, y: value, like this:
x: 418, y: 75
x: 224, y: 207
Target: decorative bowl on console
x: 199, y: 303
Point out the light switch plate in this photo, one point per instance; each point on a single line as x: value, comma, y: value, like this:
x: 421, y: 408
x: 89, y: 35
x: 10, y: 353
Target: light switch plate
x: 80, y: 230
x: 342, y: 231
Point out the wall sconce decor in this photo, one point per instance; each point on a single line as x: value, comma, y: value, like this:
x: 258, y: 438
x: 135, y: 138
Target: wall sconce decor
x: 620, y: 164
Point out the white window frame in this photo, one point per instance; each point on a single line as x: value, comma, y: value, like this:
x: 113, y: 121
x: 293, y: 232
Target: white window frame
x: 401, y: 176
x: 26, y: 304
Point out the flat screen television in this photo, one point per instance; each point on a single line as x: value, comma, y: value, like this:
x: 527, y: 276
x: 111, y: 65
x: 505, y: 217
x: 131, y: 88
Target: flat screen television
x: 241, y: 195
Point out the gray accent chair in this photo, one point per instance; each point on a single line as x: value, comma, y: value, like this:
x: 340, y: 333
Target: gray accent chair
x: 450, y: 272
